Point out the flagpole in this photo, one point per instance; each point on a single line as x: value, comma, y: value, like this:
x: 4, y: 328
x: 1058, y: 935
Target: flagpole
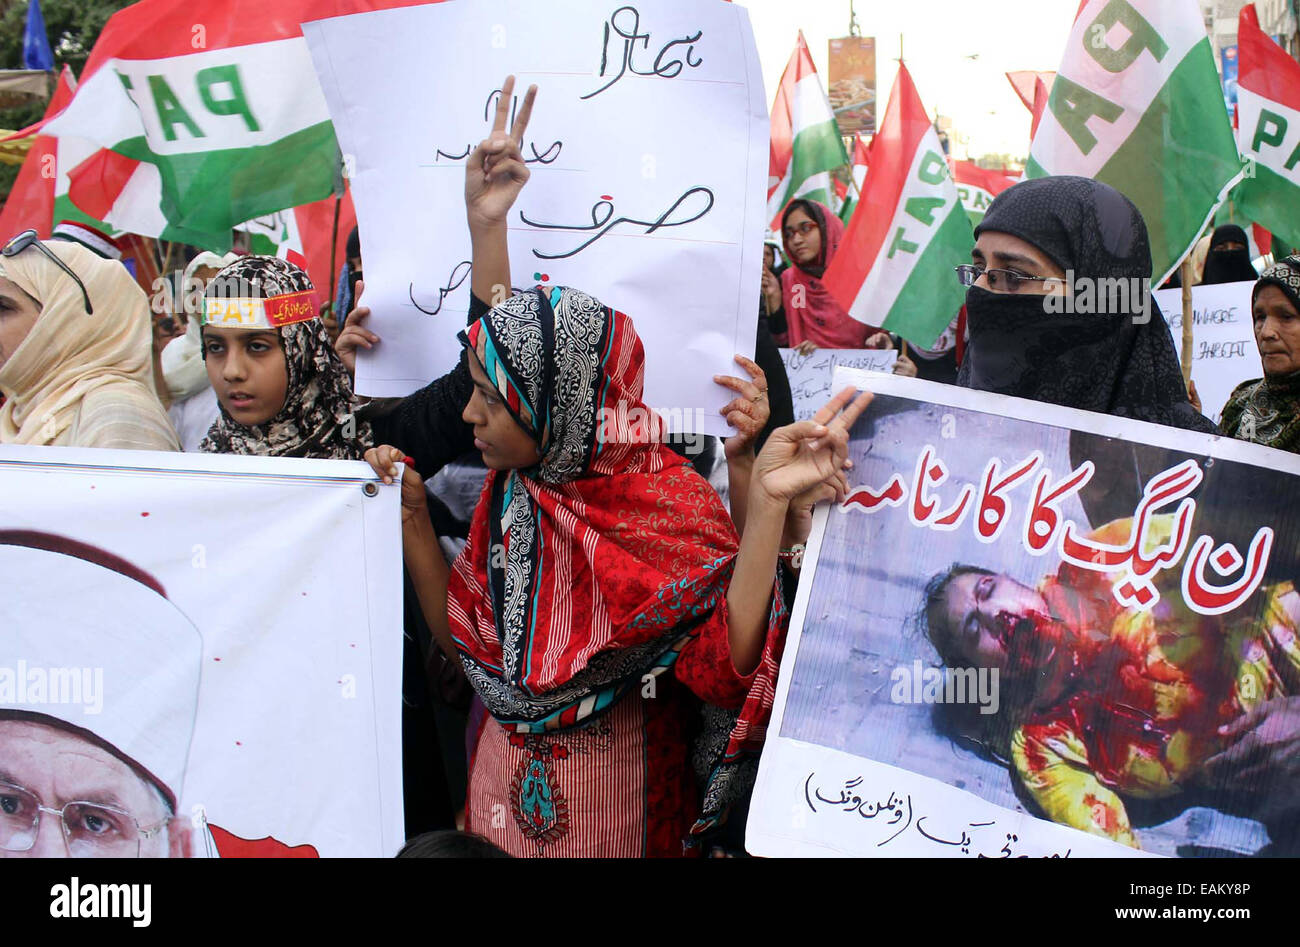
x: 339, y: 187
x: 1186, y: 277
x: 334, y: 249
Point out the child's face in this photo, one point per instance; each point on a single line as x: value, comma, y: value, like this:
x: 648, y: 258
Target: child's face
x: 248, y: 372
x: 497, y: 435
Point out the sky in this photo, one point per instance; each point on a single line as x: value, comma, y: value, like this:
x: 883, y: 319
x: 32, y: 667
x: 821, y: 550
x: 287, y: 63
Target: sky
x: 938, y: 35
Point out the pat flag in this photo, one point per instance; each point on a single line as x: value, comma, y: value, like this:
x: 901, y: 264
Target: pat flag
x: 977, y: 187
x: 806, y: 143
x: 198, y: 115
x: 1268, y: 132
x: 1130, y: 107
x: 894, y: 268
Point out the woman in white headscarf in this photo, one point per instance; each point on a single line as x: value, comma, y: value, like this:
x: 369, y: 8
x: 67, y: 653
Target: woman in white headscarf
x: 194, y: 405
x: 75, y: 369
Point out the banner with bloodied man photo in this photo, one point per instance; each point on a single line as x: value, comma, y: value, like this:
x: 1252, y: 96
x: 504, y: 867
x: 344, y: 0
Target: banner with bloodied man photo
x: 1034, y: 631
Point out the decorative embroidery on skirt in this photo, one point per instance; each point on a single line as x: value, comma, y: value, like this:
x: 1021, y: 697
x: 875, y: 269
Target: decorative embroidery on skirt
x: 539, y: 806
x: 540, y: 809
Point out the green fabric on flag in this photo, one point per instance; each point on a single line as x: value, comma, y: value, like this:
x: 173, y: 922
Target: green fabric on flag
x: 204, y: 194
x: 932, y: 296
x: 816, y: 150
x: 1175, y: 161
x: 1266, y: 199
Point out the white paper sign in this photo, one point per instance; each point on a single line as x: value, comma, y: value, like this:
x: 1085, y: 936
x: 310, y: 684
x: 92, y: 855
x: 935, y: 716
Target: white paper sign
x: 235, y: 627
x: 648, y: 152
x: 1225, y: 353
x: 810, y: 375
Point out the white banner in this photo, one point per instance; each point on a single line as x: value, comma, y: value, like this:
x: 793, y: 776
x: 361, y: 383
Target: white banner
x: 648, y: 151
x: 810, y: 375
x: 206, y: 645
x: 1224, y: 353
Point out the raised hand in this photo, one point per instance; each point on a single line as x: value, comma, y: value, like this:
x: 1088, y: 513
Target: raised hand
x: 495, y: 172
x: 802, y: 455
x: 749, y: 413
x: 353, y: 335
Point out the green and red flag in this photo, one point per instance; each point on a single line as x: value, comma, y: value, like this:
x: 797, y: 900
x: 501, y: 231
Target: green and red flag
x: 1131, y: 107
x: 806, y: 143
x: 894, y: 268
x: 1268, y: 132
x: 208, y: 114
x: 977, y: 187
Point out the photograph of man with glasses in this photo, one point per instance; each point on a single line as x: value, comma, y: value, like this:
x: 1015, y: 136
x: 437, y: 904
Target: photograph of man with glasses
x: 92, y: 757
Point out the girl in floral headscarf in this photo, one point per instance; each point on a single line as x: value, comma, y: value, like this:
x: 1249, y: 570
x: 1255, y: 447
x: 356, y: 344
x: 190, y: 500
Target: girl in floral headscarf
x: 283, y: 390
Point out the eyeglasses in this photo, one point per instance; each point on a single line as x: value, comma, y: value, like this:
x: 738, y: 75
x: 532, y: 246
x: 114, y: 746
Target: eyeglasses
x: 29, y: 238
x: 1000, y: 281
x: 802, y: 229
x: 90, y: 829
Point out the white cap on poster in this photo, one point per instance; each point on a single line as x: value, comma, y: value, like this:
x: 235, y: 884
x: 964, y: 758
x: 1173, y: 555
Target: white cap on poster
x: 81, y: 616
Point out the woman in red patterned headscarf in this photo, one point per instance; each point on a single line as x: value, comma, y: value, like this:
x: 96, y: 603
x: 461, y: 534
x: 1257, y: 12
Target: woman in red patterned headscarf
x: 603, y: 592
x: 812, y: 237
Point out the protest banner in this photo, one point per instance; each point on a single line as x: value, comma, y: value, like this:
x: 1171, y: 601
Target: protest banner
x: 1224, y: 353
x: 1020, y: 633
x: 625, y: 201
x: 186, y: 627
x: 810, y: 375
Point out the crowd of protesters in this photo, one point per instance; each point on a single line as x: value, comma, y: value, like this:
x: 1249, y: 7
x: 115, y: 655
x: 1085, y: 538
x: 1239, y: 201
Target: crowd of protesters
x: 550, y: 675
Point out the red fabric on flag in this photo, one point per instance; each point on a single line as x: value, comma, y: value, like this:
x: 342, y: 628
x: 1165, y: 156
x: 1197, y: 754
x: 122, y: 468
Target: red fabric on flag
x: 1034, y: 89
x: 315, y: 227
x: 968, y: 172
x: 1263, y: 239
x: 1265, y: 68
x: 30, y: 205
x: 95, y: 184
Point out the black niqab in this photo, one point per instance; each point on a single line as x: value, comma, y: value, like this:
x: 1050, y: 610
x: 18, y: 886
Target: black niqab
x: 1228, y: 266
x: 1118, y: 363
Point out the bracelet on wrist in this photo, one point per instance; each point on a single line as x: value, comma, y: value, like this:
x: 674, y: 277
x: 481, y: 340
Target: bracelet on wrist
x: 793, y: 555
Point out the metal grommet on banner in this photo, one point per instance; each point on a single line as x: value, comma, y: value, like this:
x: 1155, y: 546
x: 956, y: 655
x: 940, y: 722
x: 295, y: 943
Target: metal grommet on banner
x: 370, y: 488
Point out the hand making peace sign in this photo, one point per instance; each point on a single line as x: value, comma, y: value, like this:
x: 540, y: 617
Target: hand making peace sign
x: 495, y: 172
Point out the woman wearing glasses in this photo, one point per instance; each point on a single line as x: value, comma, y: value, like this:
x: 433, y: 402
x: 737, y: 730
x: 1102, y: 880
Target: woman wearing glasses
x: 75, y: 349
x: 1035, y: 238
x: 812, y: 235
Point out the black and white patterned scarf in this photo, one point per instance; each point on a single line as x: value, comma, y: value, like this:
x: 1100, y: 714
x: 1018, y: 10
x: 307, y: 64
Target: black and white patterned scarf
x: 318, y: 418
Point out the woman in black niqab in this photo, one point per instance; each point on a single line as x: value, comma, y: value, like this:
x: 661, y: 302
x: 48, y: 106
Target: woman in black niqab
x: 1226, y: 263
x: 1118, y: 363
